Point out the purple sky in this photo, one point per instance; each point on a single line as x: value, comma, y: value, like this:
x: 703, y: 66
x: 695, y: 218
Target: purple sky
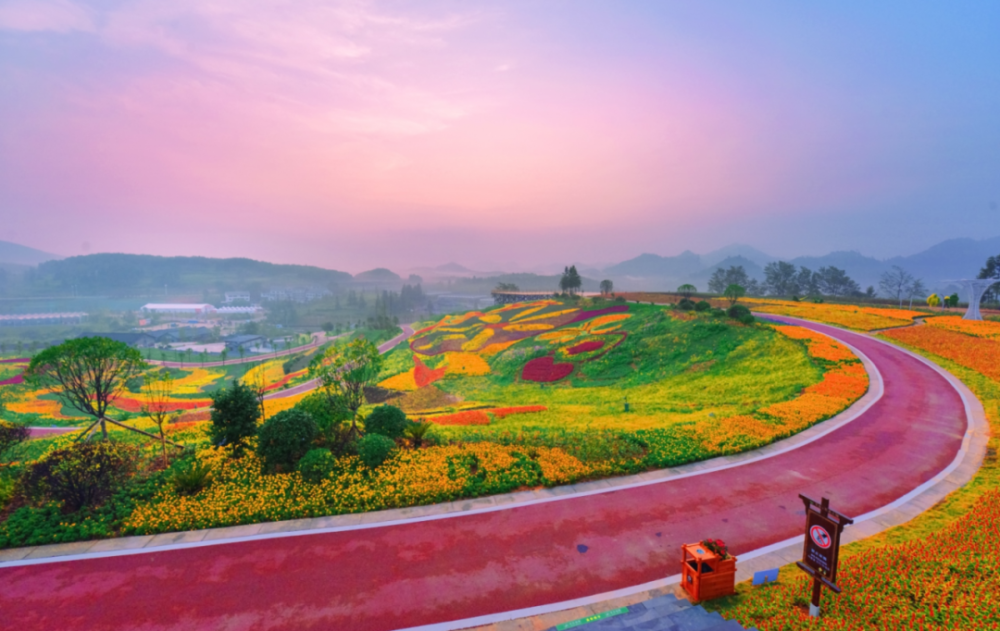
x: 358, y: 134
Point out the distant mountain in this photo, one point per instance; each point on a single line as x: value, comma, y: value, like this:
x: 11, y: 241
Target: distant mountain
x: 453, y: 267
x: 23, y: 255
x: 378, y: 275
x: 524, y: 282
x: 652, y: 265
x: 142, y: 274
x: 746, y: 252
x: 949, y: 260
x: 751, y: 268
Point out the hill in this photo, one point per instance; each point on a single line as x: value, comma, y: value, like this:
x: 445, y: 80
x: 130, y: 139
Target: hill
x: 141, y: 274
x: 17, y: 254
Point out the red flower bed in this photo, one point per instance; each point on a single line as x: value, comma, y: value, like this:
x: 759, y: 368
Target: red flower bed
x: 424, y: 376
x: 585, y: 347
x: 471, y: 417
x: 544, y: 369
x: 502, y: 412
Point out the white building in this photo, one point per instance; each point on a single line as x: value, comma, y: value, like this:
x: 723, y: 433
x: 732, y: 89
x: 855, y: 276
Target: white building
x: 250, y: 309
x: 179, y: 308
x: 237, y: 296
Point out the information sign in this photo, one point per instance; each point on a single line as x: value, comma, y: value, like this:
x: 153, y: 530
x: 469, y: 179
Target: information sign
x: 821, y: 549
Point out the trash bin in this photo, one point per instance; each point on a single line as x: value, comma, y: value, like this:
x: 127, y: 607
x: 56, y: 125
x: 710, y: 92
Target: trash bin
x: 705, y: 575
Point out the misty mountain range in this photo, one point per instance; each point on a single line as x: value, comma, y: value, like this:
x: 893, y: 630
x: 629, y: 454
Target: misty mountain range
x: 949, y: 260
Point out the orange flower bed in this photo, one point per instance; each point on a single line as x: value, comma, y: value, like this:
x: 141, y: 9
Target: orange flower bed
x: 979, y: 354
x: 820, y: 345
x: 977, y: 328
x: 524, y: 409
x: 470, y: 417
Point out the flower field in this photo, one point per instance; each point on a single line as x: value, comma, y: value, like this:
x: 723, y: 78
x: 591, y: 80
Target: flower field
x: 516, y: 397
x: 240, y: 494
x: 976, y: 353
x: 853, y: 317
x: 977, y: 328
x: 938, y: 572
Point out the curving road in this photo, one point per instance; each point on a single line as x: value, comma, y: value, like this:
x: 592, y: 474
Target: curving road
x: 408, y: 574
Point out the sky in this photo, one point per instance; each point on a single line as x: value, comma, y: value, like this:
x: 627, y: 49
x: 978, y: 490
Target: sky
x: 359, y: 134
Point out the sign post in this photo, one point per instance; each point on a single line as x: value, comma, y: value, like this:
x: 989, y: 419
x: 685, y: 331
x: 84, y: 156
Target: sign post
x: 821, y: 550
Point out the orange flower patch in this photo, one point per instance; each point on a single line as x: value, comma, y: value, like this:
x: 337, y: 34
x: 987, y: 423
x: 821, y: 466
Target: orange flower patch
x: 470, y: 417
x: 524, y: 409
x: 977, y: 328
x: 820, y: 345
x: 979, y: 354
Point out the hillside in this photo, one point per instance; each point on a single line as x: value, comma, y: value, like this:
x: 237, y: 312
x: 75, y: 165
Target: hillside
x: 140, y: 274
x: 16, y: 254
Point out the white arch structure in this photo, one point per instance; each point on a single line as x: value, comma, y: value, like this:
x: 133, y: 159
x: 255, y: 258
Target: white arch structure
x: 976, y: 288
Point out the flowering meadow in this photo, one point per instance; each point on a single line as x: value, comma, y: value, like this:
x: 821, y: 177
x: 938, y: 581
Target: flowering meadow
x: 514, y: 397
x: 988, y: 329
x: 941, y: 570
x: 854, y: 317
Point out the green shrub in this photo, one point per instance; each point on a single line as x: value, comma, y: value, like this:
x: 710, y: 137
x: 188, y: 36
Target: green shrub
x: 387, y: 420
x: 285, y: 437
x: 686, y: 304
x: 191, y: 476
x: 317, y: 465
x: 738, y: 312
x: 235, y: 412
x: 11, y: 435
x: 374, y: 449
x: 702, y: 305
x: 82, y: 475
x: 419, y: 433
x: 326, y: 411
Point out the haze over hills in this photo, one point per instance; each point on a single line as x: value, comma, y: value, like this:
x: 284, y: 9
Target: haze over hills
x: 129, y: 274
x: 17, y: 254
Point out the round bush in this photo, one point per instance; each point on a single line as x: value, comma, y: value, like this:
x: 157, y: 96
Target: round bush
x: 387, y: 420
x: 373, y: 449
x: 285, y: 437
x: 686, y: 304
x: 737, y: 312
x: 702, y: 305
x: 82, y: 475
x: 317, y: 465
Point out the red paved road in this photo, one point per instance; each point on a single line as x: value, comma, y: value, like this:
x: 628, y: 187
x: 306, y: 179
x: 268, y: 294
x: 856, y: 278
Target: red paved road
x: 410, y: 574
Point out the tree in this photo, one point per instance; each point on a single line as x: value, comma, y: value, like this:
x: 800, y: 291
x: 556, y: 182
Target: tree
x: 991, y: 270
x: 607, y: 287
x: 894, y: 283
x: 235, y: 413
x: 734, y: 275
x: 328, y: 328
x: 87, y: 373
x: 570, y: 282
x: 807, y: 282
x: 344, y: 371
x: 224, y: 354
x: 285, y: 437
x: 157, y: 388
x: 916, y: 288
x: 933, y: 300
x: 11, y: 435
x: 835, y: 282
x: 506, y: 287
x: 733, y: 293
x: 780, y: 279
x: 686, y: 290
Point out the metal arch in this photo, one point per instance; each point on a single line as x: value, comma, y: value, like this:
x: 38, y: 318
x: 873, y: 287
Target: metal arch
x: 976, y: 287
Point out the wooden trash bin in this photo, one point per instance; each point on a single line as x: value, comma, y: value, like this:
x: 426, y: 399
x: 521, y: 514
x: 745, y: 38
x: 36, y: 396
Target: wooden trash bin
x: 704, y: 575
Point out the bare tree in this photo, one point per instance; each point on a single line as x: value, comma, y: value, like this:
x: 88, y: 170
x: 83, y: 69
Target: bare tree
x: 894, y: 283
x: 157, y: 389
x: 916, y: 289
